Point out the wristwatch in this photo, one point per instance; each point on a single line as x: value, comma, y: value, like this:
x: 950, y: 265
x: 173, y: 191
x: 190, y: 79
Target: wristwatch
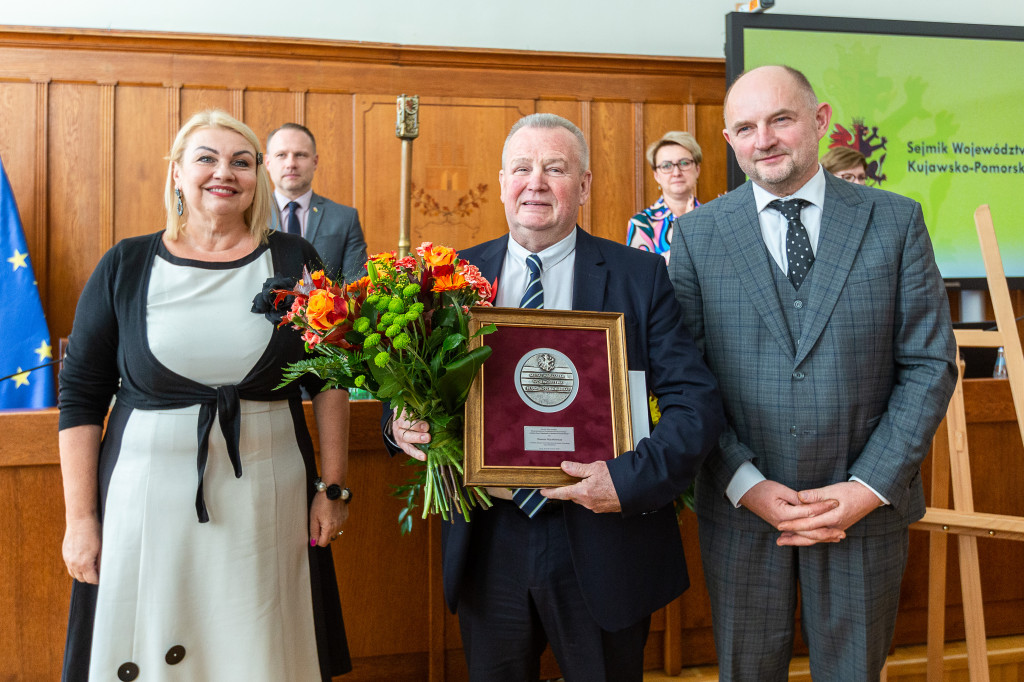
x: 334, y: 491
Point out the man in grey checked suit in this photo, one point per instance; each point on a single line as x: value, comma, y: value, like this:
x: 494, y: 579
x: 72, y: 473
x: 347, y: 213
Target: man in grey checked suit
x: 834, y: 380
x: 333, y: 229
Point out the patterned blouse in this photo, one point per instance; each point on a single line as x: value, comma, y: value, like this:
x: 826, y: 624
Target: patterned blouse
x: 651, y: 229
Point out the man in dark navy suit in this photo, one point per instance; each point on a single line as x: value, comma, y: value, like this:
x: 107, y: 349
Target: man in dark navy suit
x: 585, y: 572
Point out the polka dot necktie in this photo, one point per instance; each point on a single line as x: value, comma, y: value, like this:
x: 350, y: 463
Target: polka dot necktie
x: 529, y: 499
x: 798, y: 245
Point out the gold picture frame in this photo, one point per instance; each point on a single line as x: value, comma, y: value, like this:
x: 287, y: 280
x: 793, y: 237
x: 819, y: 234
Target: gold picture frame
x: 498, y: 410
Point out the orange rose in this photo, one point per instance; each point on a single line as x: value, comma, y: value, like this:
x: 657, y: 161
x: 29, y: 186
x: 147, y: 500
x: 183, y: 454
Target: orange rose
x: 320, y: 309
x: 436, y: 256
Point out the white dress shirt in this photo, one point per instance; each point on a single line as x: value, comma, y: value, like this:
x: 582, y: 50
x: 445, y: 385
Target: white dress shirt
x: 557, y: 263
x: 303, y: 210
x: 773, y: 231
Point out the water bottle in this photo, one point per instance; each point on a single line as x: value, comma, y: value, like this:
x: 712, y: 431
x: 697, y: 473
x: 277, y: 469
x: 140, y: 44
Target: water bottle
x: 999, y: 371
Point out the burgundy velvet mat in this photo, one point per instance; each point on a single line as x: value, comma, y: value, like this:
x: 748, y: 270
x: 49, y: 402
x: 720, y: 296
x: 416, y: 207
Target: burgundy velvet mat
x: 505, y: 413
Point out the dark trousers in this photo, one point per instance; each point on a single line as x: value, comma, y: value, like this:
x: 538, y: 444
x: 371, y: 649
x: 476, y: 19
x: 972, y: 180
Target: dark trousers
x: 520, y: 593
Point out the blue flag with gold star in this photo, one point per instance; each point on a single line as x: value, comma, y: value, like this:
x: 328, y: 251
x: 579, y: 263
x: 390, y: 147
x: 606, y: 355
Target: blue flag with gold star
x: 24, y: 337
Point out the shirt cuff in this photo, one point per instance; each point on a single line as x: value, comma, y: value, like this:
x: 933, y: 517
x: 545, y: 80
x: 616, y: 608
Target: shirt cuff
x: 745, y: 478
x: 877, y: 494
x: 389, y: 434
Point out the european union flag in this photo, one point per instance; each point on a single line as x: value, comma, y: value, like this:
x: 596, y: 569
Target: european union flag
x: 24, y: 337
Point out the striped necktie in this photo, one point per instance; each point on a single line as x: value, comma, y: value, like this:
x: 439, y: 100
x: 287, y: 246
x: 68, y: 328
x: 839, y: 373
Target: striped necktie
x: 529, y: 499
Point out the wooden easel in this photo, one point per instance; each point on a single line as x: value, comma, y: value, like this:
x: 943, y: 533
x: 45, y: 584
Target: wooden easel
x: 951, y: 464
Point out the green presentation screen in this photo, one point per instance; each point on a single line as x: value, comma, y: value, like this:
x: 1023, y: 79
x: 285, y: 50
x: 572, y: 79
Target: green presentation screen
x: 935, y: 108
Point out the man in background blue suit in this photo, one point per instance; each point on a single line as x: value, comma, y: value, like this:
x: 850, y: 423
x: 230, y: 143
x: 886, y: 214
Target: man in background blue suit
x: 587, y: 570
x: 333, y: 229
x: 825, y: 321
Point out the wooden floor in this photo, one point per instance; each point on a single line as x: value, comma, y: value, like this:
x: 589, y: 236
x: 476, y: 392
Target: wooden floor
x: 907, y: 664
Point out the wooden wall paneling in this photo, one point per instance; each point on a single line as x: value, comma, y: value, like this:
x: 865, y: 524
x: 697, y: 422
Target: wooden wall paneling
x: 172, y: 114
x: 74, y: 54
x: 640, y: 165
x: 659, y: 118
x: 266, y: 110
x: 105, y: 186
x: 455, y: 162
x: 195, y: 99
x: 586, y: 216
x: 237, y: 103
x: 140, y: 166
x: 41, y: 164
x: 329, y: 117
x: 713, y: 181
x: 19, y: 120
x: 75, y: 187
x: 611, y: 160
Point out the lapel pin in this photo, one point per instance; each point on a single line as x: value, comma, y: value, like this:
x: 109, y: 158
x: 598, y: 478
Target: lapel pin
x: 314, y: 209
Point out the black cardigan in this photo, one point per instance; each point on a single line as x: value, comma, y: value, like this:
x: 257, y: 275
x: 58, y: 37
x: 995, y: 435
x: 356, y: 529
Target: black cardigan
x: 108, y: 353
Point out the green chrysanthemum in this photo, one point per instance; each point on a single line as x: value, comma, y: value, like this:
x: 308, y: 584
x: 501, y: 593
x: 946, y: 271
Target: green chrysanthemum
x: 381, y: 358
x: 371, y: 340
x: 361, y: 325
x: 391, y: 331
x: 402, y: 341
x: 396, y: 305
x: 411, y: 290
x: 360, y: 380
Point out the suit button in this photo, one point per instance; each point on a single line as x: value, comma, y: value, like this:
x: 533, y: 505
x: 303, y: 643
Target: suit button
x: 127, y: 672
x: 798, y: 375
x: 175, y: 654
x: 798, y: 304
x: 792, y: 430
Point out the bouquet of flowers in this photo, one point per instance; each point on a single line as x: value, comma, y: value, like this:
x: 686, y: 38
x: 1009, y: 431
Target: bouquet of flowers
x: 401, y: 333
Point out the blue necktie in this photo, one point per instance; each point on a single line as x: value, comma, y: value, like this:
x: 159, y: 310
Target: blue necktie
x: 798, y: 244
x: 529, y: 499
x: 293, y: 226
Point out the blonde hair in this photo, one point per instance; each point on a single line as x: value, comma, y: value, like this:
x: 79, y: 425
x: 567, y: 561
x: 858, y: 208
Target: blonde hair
x: 679, y: 137
x: 257, y: 216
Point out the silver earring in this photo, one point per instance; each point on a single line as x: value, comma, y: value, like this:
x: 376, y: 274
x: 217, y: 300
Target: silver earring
x: 180, y: 207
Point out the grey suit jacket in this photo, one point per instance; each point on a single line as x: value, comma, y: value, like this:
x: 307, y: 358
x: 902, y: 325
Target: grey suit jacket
x: 334, y: 230
x: 863, y: 390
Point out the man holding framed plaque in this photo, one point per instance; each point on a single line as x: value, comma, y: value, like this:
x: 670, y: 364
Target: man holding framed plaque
x: 585, y: 572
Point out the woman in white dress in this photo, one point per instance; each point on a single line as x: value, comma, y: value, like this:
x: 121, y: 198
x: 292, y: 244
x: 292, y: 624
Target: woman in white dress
x: 198, y: 530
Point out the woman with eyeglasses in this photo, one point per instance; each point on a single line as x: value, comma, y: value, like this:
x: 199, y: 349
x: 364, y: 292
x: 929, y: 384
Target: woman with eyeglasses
x: 675, y: 160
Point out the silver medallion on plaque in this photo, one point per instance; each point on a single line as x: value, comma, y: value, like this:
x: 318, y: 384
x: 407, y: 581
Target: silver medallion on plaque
x: 547, y: 380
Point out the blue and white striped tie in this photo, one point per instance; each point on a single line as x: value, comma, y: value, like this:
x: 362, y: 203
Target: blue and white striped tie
x: 534, y: 295
x: 529, y: 499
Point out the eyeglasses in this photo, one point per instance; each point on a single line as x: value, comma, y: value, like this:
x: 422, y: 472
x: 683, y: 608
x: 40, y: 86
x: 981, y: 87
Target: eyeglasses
x: 681, y: 164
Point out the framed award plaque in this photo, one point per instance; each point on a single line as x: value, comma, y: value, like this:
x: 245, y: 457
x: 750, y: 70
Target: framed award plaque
x: 554, y: 389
